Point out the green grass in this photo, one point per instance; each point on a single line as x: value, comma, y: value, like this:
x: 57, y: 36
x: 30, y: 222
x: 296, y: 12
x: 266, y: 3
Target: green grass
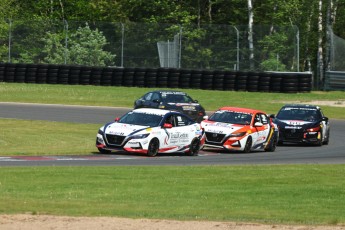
x: 308, y: 194
x: 292, y: 194
x: 25, y: 137
x: 125, y: 96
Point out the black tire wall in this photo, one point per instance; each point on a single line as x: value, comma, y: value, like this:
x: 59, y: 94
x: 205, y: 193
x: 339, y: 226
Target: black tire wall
x: 278, y: 82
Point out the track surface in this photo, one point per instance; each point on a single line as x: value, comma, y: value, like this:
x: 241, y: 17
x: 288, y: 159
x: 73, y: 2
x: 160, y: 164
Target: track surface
x: 334, y: 153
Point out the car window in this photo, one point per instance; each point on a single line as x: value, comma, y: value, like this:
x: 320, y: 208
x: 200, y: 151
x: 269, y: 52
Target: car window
x: 144, y: 119
x: 296, y: 113
x: 155, y: 96
x: 231, y: 117
x: 148, y: 96
x: 182, y: 121
x: 176, y: 98
x: 257, y: 118
x: 171, y: 120
x: 264, y: 119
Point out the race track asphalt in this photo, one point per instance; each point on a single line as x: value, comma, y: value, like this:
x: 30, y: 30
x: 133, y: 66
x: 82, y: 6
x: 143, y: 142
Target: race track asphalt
x: 334, y: 153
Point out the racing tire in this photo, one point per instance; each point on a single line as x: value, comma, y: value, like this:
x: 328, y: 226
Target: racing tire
x: 194, y: 147
x: 272, y: 145
x: 248, y: 145
x: 104, y: 151
x: 153, y: 147
x: 326, y: 141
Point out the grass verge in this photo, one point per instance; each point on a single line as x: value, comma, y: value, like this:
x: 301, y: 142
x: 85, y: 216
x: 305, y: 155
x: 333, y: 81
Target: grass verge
x: 307, y: 194
x: 125, y: 96
x: 28, y: 137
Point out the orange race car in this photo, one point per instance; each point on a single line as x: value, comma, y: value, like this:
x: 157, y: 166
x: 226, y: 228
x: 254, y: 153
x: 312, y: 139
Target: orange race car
x: 240, y: 129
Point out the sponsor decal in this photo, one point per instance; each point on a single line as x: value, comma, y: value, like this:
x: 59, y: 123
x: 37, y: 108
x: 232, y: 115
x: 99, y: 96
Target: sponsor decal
x: 296, y: 122
x: 188, y: 107
x: 293, y: 127
x: 133, y: 144
x: 179, y: 138
x: 116, y: 133
x: 219, y: 124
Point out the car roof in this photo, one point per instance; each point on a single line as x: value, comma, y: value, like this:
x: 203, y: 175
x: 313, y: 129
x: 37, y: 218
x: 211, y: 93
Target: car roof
x: 153, y: 111
x: 302, y: 106
x: 168, y: 91
x: 238, y: 109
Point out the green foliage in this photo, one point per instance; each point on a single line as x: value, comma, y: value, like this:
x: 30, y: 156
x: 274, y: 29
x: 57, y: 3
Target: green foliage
x: 84, y: 47
x: 273, y: 64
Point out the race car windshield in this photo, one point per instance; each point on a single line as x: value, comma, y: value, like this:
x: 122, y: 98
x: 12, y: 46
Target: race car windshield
x: 176, y: 98
x: 303, y: 114
x: 231, y: 117
x: 143, y: 119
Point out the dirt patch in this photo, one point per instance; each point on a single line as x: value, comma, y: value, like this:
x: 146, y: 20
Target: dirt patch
x: 336, y: 103
x: 29, y: 222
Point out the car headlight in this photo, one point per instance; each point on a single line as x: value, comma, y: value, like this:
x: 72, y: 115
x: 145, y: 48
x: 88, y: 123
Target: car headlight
x: 100, y: 131
x: 139, y: 136
x: 238, y: 134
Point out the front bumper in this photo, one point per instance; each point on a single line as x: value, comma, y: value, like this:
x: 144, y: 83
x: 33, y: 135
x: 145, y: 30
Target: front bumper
x: 299, y: 136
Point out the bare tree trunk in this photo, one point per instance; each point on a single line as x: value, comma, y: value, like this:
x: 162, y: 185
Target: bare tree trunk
x: 329, y: 30
x: 250, y: 34
x: 210, y: 3
x: 199, y: 14
x: 320, y: 49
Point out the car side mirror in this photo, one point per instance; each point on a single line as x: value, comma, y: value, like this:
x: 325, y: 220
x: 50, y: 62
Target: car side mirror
x: 167, y: 126
x: 196, y: 101
x: 156, y: 101
x: 258, y: 124
x: 205, y: 117
x: 116, y: 119
x: 272, y: 116
x: 325, y: 119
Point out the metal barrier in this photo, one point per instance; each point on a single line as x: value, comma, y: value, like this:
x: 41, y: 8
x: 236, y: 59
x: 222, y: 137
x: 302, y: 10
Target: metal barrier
x: 335, y: 80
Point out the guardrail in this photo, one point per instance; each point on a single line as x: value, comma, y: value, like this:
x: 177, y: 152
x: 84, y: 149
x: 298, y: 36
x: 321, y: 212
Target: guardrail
x: 284, y: 82
x: 335, y: 80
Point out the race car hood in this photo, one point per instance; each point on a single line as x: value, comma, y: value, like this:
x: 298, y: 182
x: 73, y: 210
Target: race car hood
x: 220, y: 127
x: 122, y: 129
x: 298, y: 124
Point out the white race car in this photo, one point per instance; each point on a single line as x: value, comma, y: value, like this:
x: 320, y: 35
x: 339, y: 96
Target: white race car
x: 151, y: 131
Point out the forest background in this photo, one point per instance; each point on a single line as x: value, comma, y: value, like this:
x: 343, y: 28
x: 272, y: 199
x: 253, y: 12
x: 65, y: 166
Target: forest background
x: 313, y: 18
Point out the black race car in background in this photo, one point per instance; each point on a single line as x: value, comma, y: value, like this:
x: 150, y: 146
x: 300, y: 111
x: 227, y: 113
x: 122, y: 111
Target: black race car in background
x: 298, y: 123
x: 172, y: 100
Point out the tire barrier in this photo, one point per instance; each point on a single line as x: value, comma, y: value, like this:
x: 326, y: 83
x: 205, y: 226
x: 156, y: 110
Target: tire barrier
x: 280, y: 82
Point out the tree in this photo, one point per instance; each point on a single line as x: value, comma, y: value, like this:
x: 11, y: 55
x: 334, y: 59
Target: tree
x: 85, y: 47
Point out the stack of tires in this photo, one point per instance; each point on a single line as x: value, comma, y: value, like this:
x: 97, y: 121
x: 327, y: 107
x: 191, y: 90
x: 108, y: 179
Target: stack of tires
x: 207, y: 79
x: 2, y: 71
x: 218, y: 80
x: 229, y: 80
x: 185, y: 78
x: 286, y: 82
x: 253, y: 82
x: 20, y: 73
x: 9, y: 72
x: 173, y: 78
x: 162, y: 77
x: 139, y: 77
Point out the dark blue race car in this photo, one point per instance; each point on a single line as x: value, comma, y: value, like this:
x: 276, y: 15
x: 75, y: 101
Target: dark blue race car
x: 172, y: 100
x: 298, y: 123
